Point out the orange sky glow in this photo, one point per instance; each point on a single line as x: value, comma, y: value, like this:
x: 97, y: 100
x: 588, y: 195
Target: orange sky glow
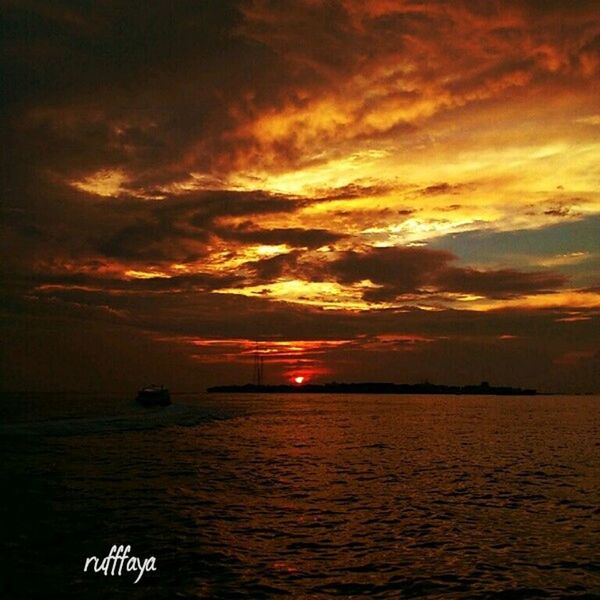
x: 357, y: 190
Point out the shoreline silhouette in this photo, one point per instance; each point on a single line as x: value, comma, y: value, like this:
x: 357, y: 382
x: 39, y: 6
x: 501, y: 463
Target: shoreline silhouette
x: 374, y: 388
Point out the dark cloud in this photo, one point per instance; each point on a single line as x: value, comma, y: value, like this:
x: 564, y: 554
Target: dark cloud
x: 151, y: 90
x: 355, y: 190
x: 270, y: 269
x: 296, y: 237
x: 448, y: 346
x: 155, y: 242
x: 179, y: 230
x: 69, y: 226
x: 206, y: 207
x: 443, y: 188
x: 403, y: 269
x: 413, y: 270
x: 558, y: 206
x: 502, y: 283
x: 563, y: 208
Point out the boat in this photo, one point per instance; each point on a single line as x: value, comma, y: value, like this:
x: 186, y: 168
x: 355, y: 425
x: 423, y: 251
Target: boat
x: 154, y: 395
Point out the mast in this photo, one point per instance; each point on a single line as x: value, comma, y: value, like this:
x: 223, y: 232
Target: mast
x: 257, y: 375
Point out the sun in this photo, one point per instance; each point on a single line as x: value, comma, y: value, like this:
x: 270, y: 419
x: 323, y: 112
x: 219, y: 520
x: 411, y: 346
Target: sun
x: 299, y: 379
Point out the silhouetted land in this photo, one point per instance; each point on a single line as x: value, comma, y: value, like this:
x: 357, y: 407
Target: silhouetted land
x: 372, y: 388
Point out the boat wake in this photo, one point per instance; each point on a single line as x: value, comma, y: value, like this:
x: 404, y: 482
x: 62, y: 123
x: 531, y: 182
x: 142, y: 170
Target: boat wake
x: 136, y: 419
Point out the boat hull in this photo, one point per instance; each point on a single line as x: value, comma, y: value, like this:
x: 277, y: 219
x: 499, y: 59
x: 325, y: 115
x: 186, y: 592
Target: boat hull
x: 154, y: 398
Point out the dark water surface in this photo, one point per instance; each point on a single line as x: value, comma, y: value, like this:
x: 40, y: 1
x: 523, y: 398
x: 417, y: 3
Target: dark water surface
x: 303, y: 496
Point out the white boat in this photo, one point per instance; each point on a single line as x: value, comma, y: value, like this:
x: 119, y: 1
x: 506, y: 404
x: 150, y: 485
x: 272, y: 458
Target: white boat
x: 154, y: 395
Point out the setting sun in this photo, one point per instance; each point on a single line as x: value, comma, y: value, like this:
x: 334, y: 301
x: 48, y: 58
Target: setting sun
x: 319, y: 277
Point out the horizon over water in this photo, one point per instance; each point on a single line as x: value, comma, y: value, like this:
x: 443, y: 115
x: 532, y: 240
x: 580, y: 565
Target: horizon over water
x: 303, y: 496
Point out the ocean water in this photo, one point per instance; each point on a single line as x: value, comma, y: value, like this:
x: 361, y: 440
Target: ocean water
x: 303, y: 496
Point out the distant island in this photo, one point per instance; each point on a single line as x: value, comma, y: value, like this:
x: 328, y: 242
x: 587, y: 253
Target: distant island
x: 372, y: 388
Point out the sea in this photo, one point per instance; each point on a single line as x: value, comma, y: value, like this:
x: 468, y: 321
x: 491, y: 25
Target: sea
x: 302, y: 496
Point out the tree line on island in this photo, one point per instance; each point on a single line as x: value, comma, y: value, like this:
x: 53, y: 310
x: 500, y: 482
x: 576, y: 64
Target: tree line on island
x: 373, y: 388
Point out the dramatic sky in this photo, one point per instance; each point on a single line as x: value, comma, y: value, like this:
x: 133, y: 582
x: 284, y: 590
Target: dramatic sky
x: 392, y: 190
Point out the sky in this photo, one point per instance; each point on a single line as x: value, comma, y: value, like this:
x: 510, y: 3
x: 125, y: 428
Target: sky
x: 379, y: 190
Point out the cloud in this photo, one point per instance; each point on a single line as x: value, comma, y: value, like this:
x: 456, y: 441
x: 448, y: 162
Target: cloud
x: 154, y: 241
x: 563, y: 207
x: 501, y: 283
x: 396, y: 73
x: 418, y: 270
x: 270, y: 269
x: 445, y: 346
x: 76, y: 227
x: 292, y: 236
x: 442, y: 188
x: 166, y: 159
x: 403, y: 268
x: 573, y: 358
x: 354, y: 190
x: 226, y: 86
